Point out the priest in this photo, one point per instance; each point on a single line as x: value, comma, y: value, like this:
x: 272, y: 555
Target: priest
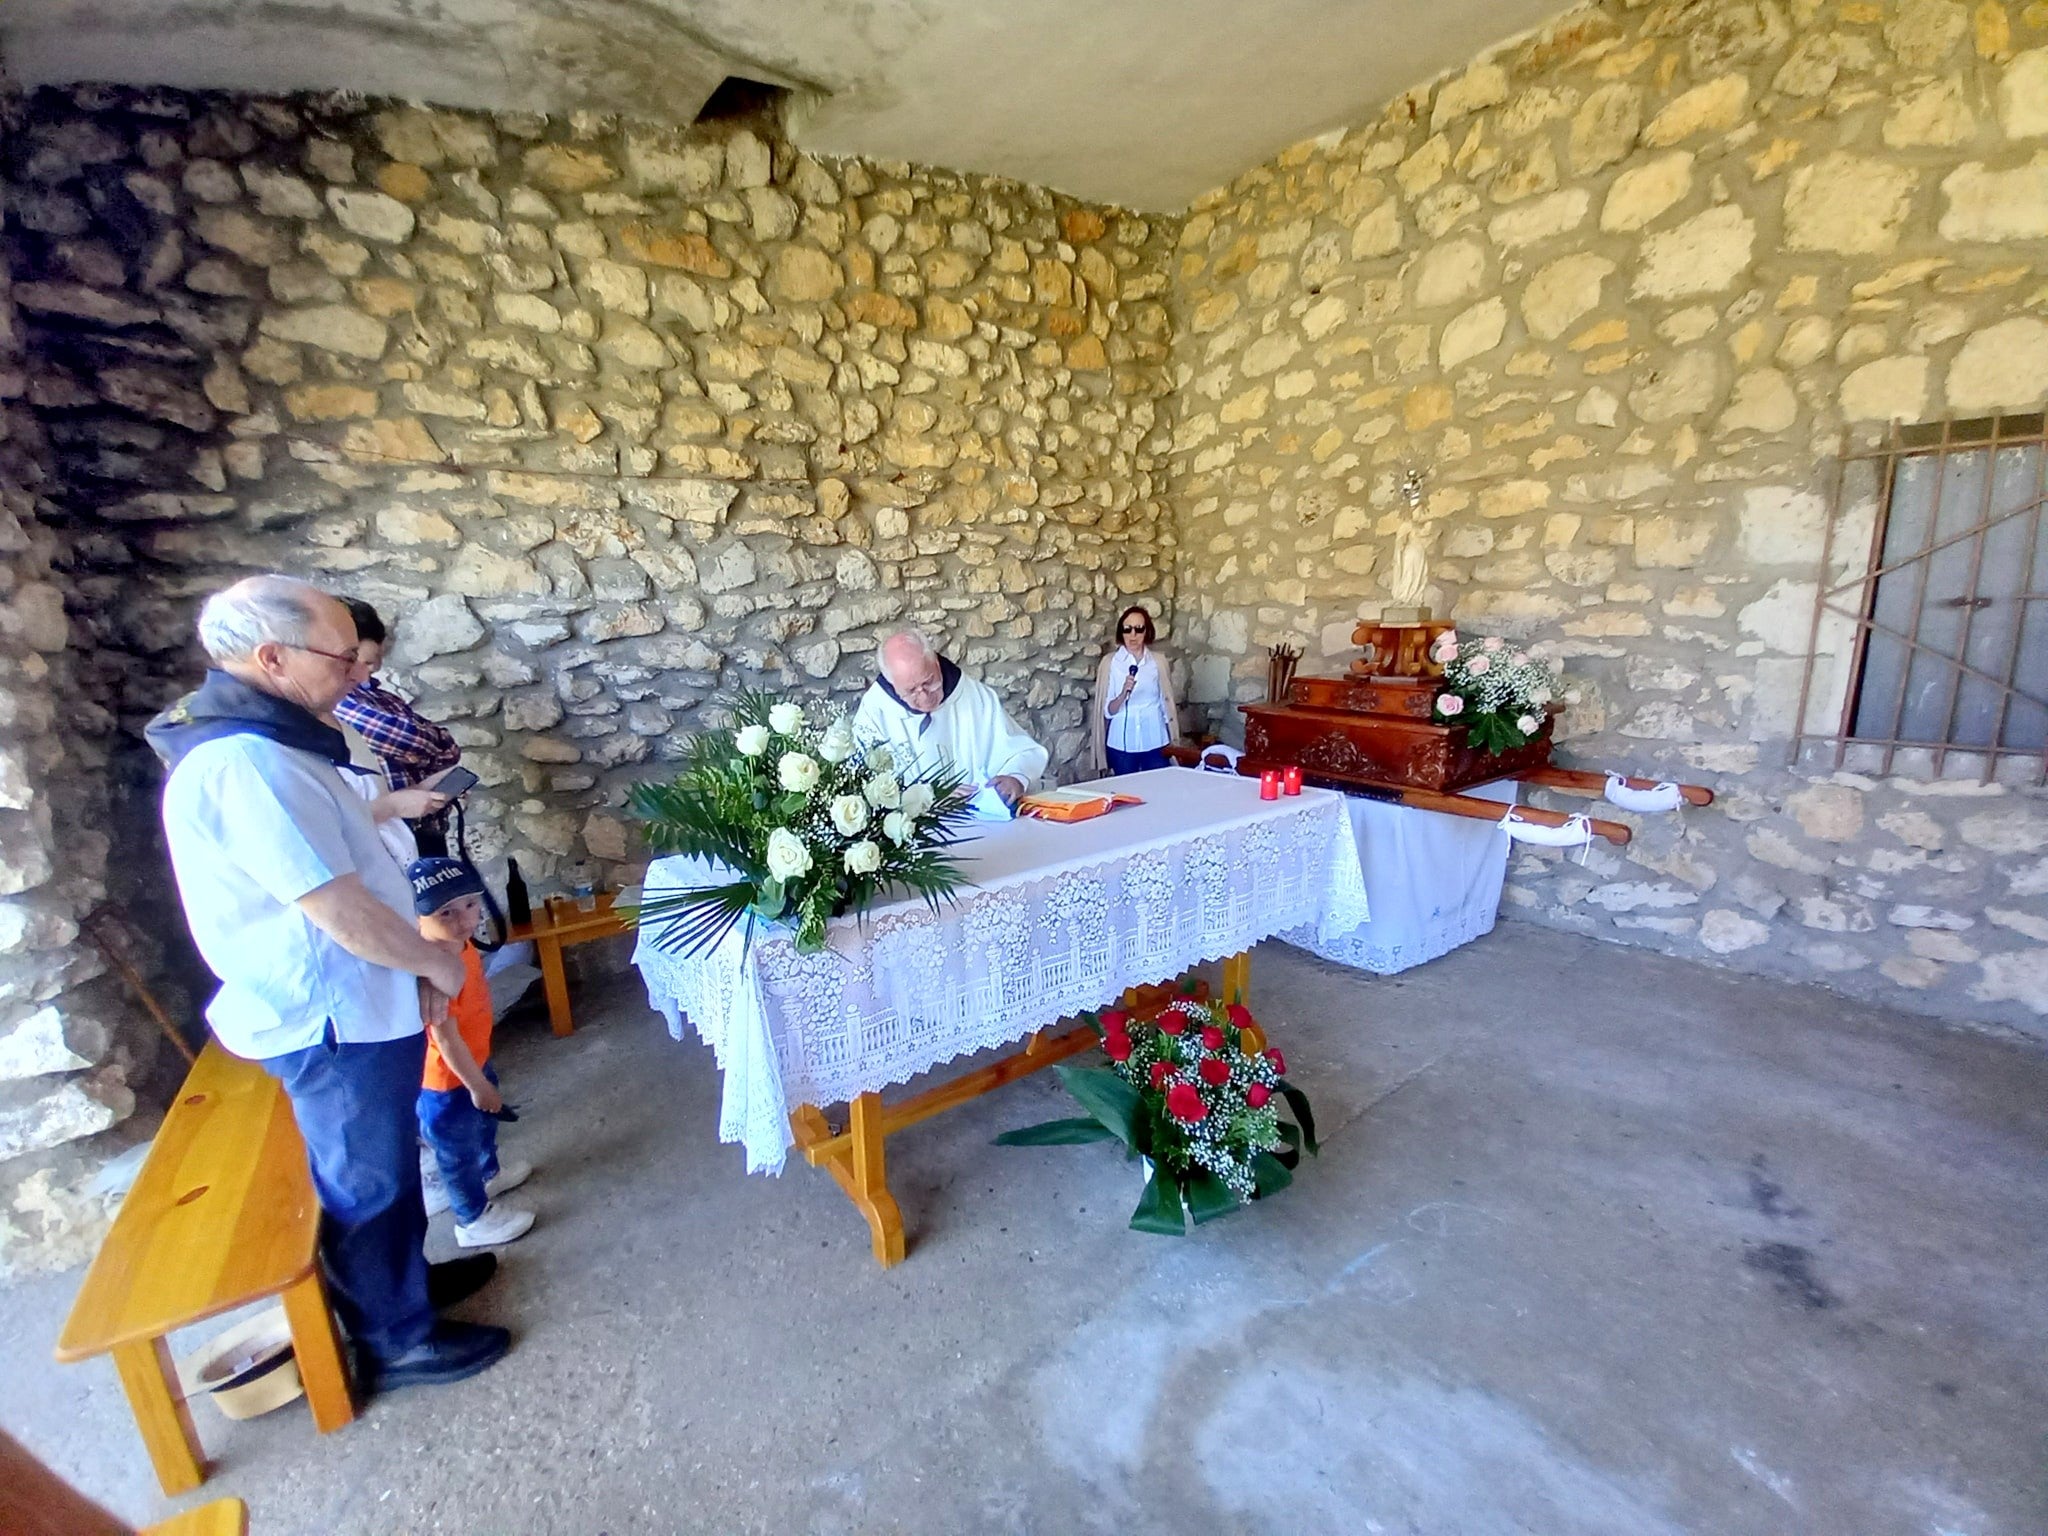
x: 927, y: 712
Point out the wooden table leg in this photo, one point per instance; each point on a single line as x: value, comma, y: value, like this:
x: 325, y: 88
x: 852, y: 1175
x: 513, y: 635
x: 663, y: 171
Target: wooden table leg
x: 317, y: 1349
x: 870, y: 1181
x: 1237, y: 978
x: 555, y: 982
x: 150, y: 1379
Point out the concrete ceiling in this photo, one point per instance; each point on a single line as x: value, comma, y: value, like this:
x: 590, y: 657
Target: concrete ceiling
x: 1147, y: 103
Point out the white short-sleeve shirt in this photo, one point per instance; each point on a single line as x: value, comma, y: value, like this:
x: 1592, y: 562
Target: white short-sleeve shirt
x: 252, y: 827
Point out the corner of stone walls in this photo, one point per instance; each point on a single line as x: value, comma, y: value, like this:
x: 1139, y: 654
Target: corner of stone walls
x: 71, y: 1048
x: 1621, y: 290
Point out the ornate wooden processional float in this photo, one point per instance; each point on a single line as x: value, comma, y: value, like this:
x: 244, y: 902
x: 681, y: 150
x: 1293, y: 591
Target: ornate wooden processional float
x: 1371, y: 733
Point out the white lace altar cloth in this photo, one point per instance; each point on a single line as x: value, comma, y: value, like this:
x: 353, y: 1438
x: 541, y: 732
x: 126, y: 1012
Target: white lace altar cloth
x: 1059, y: 918
x: 1433, y: 880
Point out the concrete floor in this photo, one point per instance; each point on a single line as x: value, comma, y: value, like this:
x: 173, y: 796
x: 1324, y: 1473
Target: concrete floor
x: 1600, y: 1244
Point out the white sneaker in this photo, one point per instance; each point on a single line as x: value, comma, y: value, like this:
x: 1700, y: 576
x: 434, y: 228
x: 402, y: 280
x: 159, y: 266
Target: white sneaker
x: 498, y: 1224
x: 432, y: 1190
x: 511, y: 1173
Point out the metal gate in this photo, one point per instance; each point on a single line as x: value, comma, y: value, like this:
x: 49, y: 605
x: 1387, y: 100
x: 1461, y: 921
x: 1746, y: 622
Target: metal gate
x: 1948, y: 656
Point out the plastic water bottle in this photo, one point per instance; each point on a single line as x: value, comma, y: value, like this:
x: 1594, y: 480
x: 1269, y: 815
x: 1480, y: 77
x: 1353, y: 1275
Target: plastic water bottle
x: 583, y: 885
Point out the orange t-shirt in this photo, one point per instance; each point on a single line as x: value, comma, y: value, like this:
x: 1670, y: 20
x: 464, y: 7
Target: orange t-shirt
x: 471, y: 1011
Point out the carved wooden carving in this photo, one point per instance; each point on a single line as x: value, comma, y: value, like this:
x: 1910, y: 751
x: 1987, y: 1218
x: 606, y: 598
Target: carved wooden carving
x: 1377, y: 750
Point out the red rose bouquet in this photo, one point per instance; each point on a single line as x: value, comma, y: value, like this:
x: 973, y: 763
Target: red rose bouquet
x: 1184, y: 1094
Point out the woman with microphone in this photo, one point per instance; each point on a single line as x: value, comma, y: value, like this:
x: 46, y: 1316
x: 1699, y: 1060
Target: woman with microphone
x: 1136, y: 717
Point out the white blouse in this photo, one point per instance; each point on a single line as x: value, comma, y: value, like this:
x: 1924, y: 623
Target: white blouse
x: 1140, y: 726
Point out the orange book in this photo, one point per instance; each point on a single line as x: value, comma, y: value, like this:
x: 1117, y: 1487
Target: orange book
x: 1073, y: 804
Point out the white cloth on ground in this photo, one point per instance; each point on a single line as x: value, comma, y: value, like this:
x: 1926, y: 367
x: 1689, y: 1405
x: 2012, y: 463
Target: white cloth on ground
x: 1060, y: 918
x: 970, y: 732
x: 1434, y: 882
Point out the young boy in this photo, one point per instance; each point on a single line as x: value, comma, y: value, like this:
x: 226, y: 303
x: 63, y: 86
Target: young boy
x: 459, y: 1099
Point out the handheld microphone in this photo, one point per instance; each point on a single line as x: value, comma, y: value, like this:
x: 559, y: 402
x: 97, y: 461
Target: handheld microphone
x: 1134, y: 669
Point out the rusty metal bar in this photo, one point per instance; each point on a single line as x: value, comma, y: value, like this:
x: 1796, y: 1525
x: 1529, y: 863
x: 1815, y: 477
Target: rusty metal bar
x: 1969, y: 594
x: 1880, y: 524
x: 1918, y: 607
x: 1953, y: 539
x: 2010, y: 440
x: 1820, y: 587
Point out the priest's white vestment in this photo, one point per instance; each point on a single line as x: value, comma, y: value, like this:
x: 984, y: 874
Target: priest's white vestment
x: 970, y: 731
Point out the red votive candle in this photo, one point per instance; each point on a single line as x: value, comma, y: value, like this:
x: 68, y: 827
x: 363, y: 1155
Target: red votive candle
x: 1290, y: 779
x: 1269, y: 785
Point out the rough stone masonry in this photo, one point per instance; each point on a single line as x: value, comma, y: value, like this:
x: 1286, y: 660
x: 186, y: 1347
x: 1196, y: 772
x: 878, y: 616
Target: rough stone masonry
x: 1621, y: 291
x: 610, y: 420
x: 613, y: 419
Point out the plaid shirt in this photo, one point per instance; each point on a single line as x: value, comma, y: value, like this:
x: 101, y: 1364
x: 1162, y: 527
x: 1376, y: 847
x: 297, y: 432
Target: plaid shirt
x: 410, y: 746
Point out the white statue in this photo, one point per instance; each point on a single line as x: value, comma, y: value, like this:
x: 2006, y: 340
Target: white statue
x: 1408, y: 573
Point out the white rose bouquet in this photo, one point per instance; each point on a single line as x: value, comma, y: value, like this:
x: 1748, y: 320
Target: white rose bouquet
x: 809, y: 824
x: 1498, y: 692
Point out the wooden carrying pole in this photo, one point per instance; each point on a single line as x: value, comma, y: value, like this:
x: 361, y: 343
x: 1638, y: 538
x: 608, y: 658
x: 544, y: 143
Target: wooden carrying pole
x: 1472, y: 807
x: 1576, y: 781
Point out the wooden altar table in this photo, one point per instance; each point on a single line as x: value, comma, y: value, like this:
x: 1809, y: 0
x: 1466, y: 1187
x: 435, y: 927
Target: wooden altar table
x: 1060, y: 919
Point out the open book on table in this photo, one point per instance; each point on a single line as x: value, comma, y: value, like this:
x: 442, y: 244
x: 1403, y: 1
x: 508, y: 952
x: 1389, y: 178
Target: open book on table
x: 1073, y: 804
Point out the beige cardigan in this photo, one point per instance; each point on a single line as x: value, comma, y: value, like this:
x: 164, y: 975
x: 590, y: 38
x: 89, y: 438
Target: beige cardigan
x: 1098, y: 734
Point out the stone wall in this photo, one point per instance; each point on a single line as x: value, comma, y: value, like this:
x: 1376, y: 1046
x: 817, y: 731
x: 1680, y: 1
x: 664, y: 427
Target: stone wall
x: 69, y: 1045
x: 610, y: 419
x: 1620, y: 291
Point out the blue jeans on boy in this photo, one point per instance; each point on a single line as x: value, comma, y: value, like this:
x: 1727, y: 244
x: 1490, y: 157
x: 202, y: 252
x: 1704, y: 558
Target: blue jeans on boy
x: 354, y: 1105
x: 465, y: 1143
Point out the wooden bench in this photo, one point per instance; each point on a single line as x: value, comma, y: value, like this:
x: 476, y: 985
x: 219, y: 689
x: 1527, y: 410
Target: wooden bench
x: 222, y: 1214
x: 558, y: 924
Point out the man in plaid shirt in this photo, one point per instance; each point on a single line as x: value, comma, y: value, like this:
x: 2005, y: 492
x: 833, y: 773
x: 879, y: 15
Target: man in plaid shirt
x: 411, y: 747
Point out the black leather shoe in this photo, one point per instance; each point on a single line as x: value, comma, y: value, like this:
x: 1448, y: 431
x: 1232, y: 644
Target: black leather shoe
x: 459, y: 1279
x: 452, y: 1352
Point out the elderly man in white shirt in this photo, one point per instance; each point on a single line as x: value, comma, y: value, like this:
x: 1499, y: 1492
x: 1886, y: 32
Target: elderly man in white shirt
x: 927, y: 712
x: 303, y: 915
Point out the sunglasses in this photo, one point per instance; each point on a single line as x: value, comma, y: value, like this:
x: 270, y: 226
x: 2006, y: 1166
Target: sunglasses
x: 1134, y: 629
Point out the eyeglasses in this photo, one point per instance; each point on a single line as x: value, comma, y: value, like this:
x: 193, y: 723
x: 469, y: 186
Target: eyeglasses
x: 1134, y: 629
x: 346, y: 658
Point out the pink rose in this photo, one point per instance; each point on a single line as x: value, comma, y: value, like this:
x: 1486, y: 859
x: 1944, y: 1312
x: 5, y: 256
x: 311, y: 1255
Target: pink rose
x: 1492, y: 643
x: 1449, y: 704
x: 1479, y: 666
x: 1445, y: 647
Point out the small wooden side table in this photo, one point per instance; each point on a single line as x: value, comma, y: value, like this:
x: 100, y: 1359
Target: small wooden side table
x: 558, y: 924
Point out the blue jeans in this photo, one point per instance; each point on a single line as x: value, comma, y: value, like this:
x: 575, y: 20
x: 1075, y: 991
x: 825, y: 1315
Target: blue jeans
x: 465, y: 1143
x: 354, y: 1105
x: 1135, y: 762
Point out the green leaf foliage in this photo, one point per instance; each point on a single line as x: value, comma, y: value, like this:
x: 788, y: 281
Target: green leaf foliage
x: 1111, y: 1100
x: 1271, y: 1173
x: 1159, y: 1208
x: 1057, y: 1133
x: 1209, y: 1197
x: 1298, y: 1102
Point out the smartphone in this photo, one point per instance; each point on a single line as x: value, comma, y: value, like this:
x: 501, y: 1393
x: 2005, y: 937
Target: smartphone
x: 455, y: 783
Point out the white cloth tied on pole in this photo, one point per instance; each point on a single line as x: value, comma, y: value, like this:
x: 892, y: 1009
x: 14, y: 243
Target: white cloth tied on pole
x: 1577, y: 832
x: 1060, y: 918
x: 1646, y: 802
